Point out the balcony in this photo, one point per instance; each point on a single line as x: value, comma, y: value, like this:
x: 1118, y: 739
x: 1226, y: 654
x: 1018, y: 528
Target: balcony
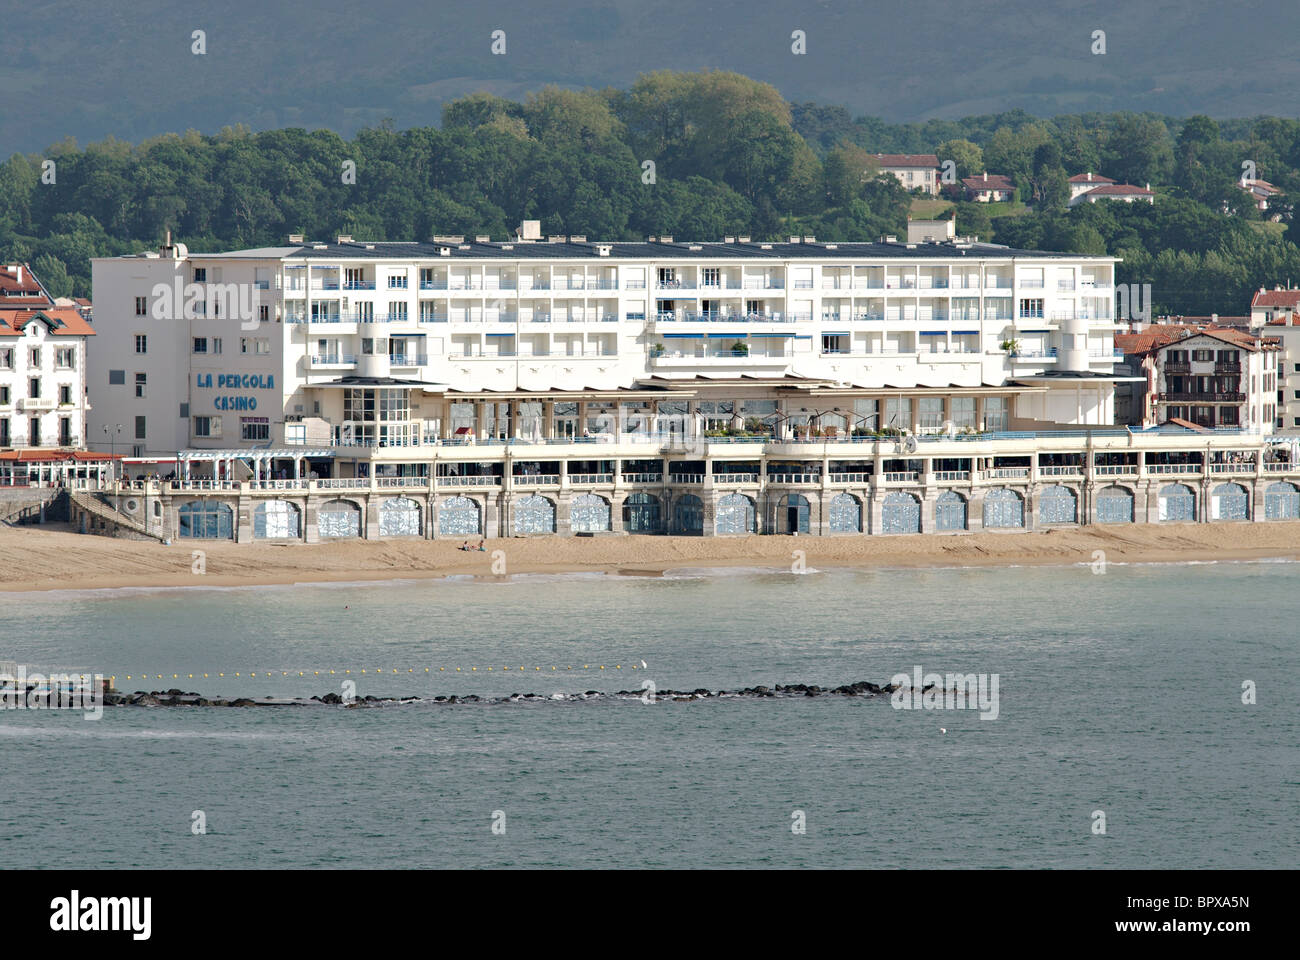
x: 358, y: 284
x: 407, y: 359
x: 1177, y: 368
x: 28, y: 404
x: 590, y: 479
x: 735, y: 478
x: 1228, y: 369
x: 762, y: 284
x: 688, y: 316
x: 433, y: 284
x: 1201, y: 398
x: 331, y: 359
x: 643, y: 478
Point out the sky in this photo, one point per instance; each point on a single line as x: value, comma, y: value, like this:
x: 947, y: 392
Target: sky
x: 129, y: 68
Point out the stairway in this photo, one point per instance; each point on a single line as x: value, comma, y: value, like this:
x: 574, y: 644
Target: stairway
x: 98, y: 508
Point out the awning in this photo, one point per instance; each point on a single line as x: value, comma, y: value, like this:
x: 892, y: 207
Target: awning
x: 511, y: 334
x: 960, y: 333
x: 681, y: 336
x: 727, y: 336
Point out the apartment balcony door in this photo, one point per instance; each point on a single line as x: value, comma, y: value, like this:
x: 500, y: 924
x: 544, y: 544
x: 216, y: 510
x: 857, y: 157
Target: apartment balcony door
x: 34, y: 431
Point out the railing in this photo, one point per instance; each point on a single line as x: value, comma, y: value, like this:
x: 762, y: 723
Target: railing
x: 1069, y: 470
x: 535, y: 479
x: 433, y: 318
x: 407, y: 359
x: 763, y: 285
x: 1177, y: 368
x: 488, y: 480
x: 1006, y: 473
x: 735, y: 478
x: 1116, y: 469
x: 643, y: 478
x: 325, y: 359
x: 687, y: 316
x: 205, y: 485
x: 1227, y: 368
x: 794, y: 478
x: 1281, y: 468
x: 1031, y: 284
x: 344, y: 483
x: 685, y: 478
x: 948, y: 476
x: 901, y: 476
x: 433, y: 284
x: 850, y: 478
x: 1166, y: 468
x: 590, y: 478
x: 276, y: 484
x: 1232, y: 468
x: 358, y: 284
x: 401, y: 481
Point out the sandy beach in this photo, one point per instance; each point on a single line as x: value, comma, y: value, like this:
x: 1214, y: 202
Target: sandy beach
x: 53, y: 558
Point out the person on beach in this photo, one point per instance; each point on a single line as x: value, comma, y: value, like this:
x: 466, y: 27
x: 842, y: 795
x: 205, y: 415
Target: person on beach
x: 480, y: 547
x: 464, y: 546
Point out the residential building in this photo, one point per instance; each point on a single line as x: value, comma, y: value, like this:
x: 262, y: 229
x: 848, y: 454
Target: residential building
x: 988, y: 188
x: 1208, y: 376
x: 1261, y: 192
x: 1127, y: 193
x: 1267, y: 305
x: 42, y: 366
x: 915, y: 171
x: 1083, y: 182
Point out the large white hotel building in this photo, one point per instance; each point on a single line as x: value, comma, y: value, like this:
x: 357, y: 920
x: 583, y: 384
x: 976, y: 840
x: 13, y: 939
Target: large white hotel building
x: 464, y: 385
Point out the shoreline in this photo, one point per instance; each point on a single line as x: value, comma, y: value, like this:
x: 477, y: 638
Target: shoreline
x: 54, y: 558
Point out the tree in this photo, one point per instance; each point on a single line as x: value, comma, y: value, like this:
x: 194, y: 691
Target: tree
x: 968, y: 157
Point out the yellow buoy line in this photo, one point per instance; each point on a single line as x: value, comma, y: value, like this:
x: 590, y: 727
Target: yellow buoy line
x: 409, y: 671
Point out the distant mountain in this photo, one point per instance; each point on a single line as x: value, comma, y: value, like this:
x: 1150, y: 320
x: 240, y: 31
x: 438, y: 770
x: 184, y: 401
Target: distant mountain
x: 126, y: 68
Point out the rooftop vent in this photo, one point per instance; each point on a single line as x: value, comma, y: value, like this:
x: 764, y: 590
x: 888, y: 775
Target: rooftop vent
x: 438, y: 239
x: 765, y: 246
x: 743, y: 239
x: 530, y: 230
x: 809, y: 239
x: 319, y: 246
x: 444, y: 251
x: 794, y: 239
x: 578, y: 238
x: 832, y: 246
x: 345, y: 238
x: 296, y: 238
x: 696, y: 246
x: 665, y: 239
x: 603, y: 250
x: 555, y: 238
x: 462, y: 246
x: 370, y: 246
x: 482, y: 238
x: 728, y: 239
x: 507, y: 246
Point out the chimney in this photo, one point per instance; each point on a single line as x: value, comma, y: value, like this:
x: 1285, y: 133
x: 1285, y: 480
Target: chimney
x: 1090, y: 176
x: 18, y: 272
x: 986, y: 176
x: 1148, y: 186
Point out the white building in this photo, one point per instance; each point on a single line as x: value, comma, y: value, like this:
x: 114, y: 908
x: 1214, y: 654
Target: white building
x: 42, y: 366
x: 1218, y: 378
x: 915, y: 171
x: 1083, y: 182
x: 411, y: 343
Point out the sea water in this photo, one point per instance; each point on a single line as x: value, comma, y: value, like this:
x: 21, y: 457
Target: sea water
x: 1120, y: 694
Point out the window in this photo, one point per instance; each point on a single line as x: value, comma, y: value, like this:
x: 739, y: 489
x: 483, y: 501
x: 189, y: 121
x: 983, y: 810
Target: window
x: 200, y: 275
x: 6, y: 358
x: 397, y: 310
x: 931, y: 413
x: 995, y: 413
x: 140, y: 381
x: 207, y: 426
x: 141, y: 306
x: 116, y: 378
x: 254, y: 345
x: 397, y: 283
x: 200, y: 344
x: 65, y: 431
x: 34, y: 388
x: 216, y: 344
x: 712, y: 277
x: 264, y: 313
x: 139, y: 428
x: 1031, y: 308
x: 963, y: 412
x: 254, y: 428
x: 64, y: 358
x: 65, y: 394
x: 185, y: 411
x: 34, y: 357
x: 141, y: 343
x: 898, y: 413
x: 1202, y: 355
x: 4, y: 399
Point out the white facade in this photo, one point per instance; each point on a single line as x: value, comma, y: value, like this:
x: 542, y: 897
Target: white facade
x: 255, y: 356
x: 42, y: 386
x: 1218, y: 380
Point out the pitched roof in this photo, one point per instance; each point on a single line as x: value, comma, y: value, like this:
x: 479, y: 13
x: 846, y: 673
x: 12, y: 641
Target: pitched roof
x: 19, y: 287
x: 1167, y: 334
x: 988, y: 181
x: 1090, y: 178
x: 907, y: 159
x: 67, y: 321
x: 1275, y: 298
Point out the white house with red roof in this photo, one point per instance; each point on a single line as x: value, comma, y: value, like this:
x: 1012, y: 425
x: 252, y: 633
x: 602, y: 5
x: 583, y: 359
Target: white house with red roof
x: 1083, y: 182
x: 915, y: 171
x: 42, y: 366
x: 988, y: 188
x: 1125, y: 192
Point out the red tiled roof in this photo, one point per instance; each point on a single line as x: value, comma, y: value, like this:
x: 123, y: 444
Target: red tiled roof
x: 1275, y: 298
x: 70, y: 322
x: 1090, y: 178
x: 995, y: 181
x: 18, y: 293
x: 1187, y: 424
x: 907, y: 159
